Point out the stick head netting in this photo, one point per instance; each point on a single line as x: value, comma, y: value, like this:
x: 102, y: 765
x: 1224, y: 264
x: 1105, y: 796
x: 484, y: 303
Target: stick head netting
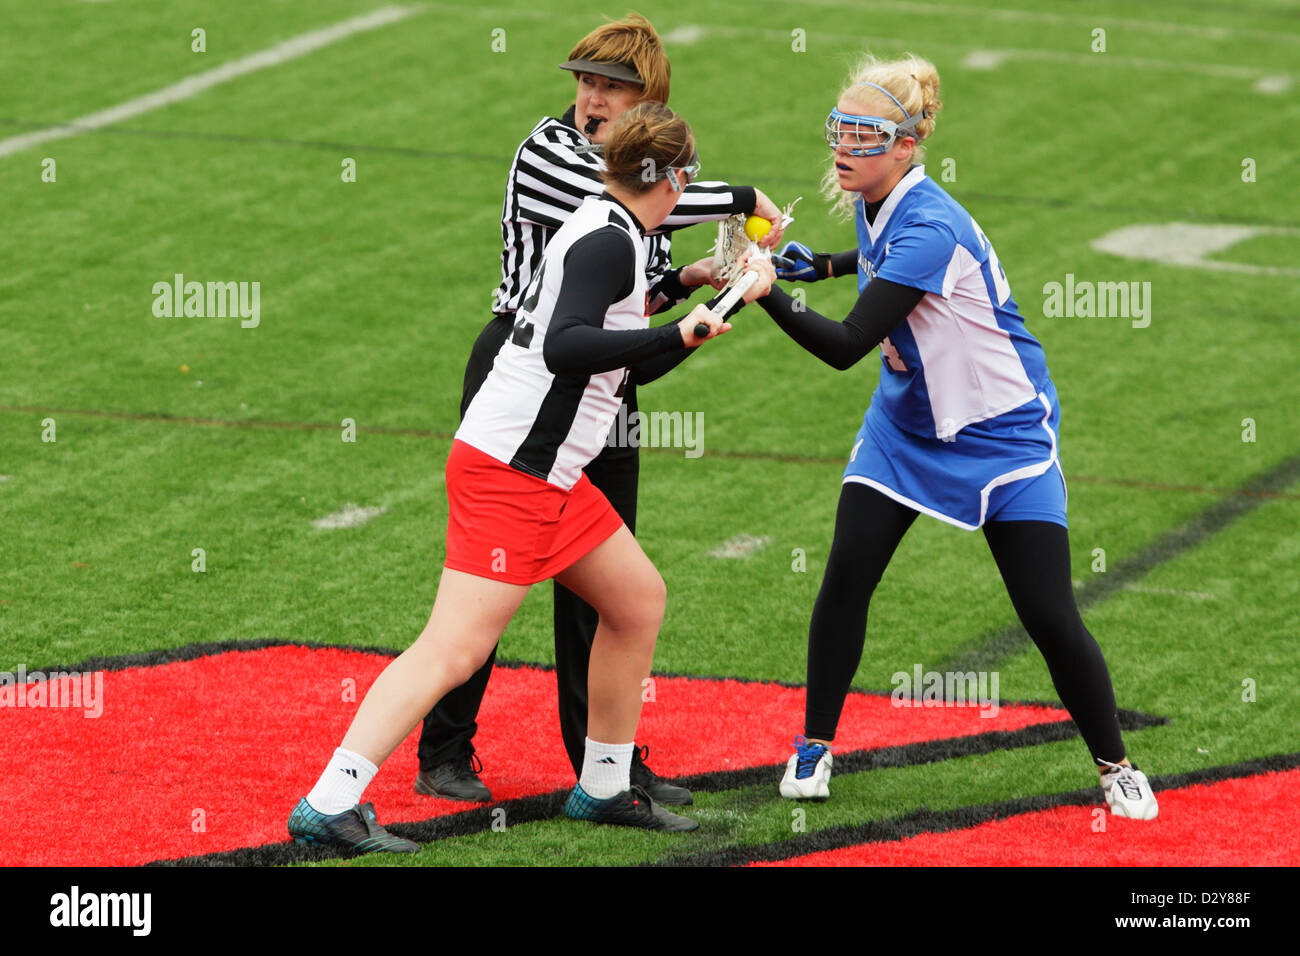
x: 733, y: 243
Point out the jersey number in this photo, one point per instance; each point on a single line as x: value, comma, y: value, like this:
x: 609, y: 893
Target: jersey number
x: 535, y: 289
x: 1000, y: 284
x: 522, y: 336
x: 891, y: 356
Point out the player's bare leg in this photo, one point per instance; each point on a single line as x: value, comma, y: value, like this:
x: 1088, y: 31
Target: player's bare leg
x: 618, y: 580
x: 468, y: 617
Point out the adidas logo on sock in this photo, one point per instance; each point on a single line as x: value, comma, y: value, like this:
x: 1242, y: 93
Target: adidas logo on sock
x: 350, y: 772
x: 608, y: 760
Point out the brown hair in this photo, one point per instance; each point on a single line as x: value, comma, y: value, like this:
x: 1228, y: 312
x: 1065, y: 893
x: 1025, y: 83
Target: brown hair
x: 633, y: 42
x: 645, y: 141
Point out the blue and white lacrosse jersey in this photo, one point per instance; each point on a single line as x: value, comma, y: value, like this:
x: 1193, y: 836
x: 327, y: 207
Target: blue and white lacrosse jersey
x: 965, y: 411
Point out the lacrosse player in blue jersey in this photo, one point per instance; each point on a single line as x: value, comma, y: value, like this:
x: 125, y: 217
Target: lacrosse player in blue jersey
x: 963, y: 426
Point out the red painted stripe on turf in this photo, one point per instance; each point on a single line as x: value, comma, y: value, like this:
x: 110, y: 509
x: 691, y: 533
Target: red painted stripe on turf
x: 240, y: 736
x: 1246, y: 821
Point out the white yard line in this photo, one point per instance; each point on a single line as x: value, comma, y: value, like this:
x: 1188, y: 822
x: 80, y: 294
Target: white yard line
x: 1172, y: 592
x: 1278, y: 83
x: 983, y: 60
x: 1189, y: 244
x: 282, y: 52
x: 349, y: 516
x: 1268, y: 80
x: 740, y: 546
x: 1037, y: 16
x: 1168, y: 592
x: 938, y: 10
x: 1226, y: 70
x: 685, y: 35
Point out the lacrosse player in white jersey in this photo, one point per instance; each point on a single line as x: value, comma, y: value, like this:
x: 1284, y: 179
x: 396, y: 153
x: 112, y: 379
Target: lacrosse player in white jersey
x: 555, y: 169
x: 963, y: 426
x: 522, y: 510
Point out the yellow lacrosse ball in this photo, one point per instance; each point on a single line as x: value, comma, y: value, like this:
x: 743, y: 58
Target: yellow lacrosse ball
x: 756, y: 227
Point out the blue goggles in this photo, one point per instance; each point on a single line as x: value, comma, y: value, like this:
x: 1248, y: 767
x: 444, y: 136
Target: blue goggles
x: 866, y: 135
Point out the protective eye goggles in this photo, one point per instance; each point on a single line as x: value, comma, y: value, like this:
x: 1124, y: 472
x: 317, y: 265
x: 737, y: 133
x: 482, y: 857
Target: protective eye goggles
x: 691, y: 169
x: 869, y: 135
x: 866, y: 135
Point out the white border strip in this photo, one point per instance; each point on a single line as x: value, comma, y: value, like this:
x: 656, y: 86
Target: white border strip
x: 1029, y: 471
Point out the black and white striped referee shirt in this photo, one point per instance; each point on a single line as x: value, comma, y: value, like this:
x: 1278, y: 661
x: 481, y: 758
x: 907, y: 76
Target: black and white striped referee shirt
x: 550, y: 178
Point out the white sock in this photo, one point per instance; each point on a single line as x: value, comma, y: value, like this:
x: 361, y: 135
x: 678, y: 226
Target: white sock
x: 606, y: 769
x: 341, y: 785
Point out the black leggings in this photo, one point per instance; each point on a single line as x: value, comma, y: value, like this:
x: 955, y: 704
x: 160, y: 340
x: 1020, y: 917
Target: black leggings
x: 1034, y: 559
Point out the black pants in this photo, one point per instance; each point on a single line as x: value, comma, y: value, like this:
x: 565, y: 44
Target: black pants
x: 1034, y: 560
x: 449, y: 728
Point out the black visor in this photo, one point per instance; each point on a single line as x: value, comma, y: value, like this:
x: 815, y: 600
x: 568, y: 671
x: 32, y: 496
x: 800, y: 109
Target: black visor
x: 612, y: 71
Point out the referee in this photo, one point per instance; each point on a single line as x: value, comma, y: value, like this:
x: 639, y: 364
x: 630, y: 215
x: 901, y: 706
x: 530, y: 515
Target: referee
x: 555, y: 169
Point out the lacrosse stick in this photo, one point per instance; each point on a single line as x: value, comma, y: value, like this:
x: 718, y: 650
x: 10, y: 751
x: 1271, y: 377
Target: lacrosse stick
x: 732, y: 245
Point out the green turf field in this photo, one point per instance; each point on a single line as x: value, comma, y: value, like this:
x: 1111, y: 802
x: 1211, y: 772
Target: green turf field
x: 180, y: 433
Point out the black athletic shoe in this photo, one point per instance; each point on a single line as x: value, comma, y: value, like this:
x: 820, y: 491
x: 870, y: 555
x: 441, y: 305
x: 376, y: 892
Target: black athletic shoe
x: 455, y: 780
x: 631, y: 808
x: 355, y: 829
x: 659, y: 789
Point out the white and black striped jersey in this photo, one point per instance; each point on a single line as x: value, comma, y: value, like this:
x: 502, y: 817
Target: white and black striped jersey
x: 550, y: 177
x: 546, y: 406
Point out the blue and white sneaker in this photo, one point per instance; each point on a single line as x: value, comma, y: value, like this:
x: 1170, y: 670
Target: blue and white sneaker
x: 808, y: 774
x: 356, y: 829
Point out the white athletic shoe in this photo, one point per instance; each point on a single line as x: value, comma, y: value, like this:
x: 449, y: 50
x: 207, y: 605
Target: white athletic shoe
x: 1128, y: 792
x: 808, y: 774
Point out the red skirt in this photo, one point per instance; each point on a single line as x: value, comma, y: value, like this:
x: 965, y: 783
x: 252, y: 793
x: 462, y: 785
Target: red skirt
x: 509, y: 526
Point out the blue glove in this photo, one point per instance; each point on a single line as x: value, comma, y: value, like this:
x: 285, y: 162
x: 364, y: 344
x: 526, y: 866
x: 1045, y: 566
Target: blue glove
x: 797, y: 263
